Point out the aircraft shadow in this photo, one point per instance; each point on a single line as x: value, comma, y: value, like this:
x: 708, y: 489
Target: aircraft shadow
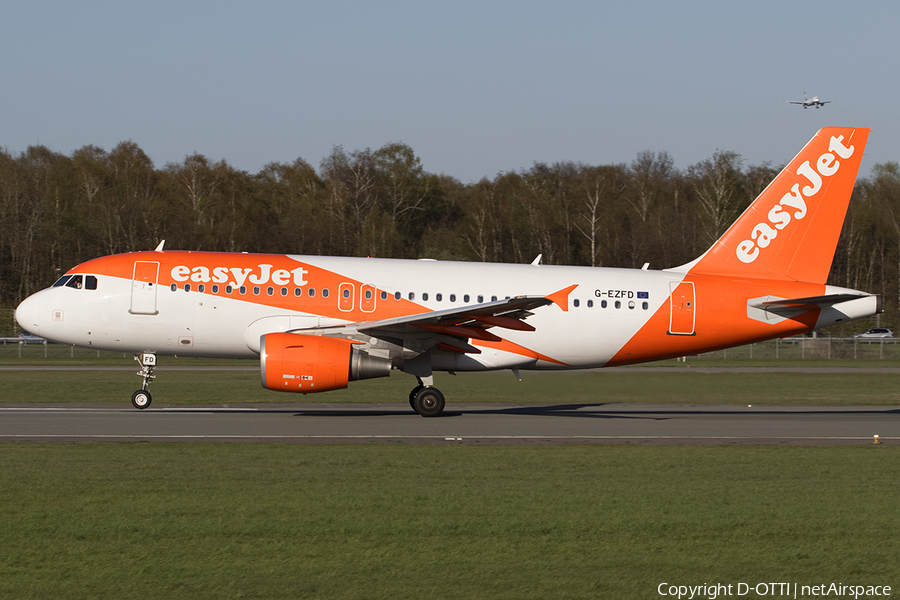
x: 596, y: 411
x: 578, y: 411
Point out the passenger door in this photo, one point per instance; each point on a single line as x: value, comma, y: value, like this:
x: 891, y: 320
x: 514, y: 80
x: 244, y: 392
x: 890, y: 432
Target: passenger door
x: 143, y: 288
x: 682, y: 316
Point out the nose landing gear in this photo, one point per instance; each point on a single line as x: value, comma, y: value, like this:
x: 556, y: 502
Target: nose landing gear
x: 141, y: 399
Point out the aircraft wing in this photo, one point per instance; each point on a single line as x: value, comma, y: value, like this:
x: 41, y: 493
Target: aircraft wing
x: 451, y: 328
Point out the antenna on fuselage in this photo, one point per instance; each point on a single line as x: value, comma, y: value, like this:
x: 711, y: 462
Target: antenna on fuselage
x: 160, y: 247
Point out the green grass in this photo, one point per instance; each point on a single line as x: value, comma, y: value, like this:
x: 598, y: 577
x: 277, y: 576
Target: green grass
x: 680, y: 386
x: 300, y: 521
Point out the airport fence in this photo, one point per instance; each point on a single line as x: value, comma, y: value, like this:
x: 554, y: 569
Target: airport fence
x: 797, y: 348
x: 809, y: 348
x: 29, y: 348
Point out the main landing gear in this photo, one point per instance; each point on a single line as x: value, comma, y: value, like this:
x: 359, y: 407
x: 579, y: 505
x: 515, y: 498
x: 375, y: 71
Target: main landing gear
x: 426, y: 400
x: 141, y: 399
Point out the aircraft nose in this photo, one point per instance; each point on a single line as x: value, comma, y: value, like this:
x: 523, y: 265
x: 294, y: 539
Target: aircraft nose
x: 28, y: 314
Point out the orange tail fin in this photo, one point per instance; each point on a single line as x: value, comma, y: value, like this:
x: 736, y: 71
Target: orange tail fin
x: 791, y: 230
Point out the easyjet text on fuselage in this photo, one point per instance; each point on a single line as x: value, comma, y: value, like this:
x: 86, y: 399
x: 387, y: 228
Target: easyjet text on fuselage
x: 237, y: 276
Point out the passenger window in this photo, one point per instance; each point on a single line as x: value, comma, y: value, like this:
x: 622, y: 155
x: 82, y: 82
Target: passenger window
x: 412, y: 295
x: 215, y: 288
x: 603, y: 304
x: 631, y: 304
x: 576, y: 303
x: 284, y: 291
x: 590, y: 304
x: 424, y: 296
x: 618, y: 304
x: 493, y: 298
x: 173, y: 287
x: 439, y: 297
x: 325, y: 293
x: 466, y: 298
x: 311, y: 292
x: 368, y: 294
x: 346, y: 293
x: 396, y: 295
x: 90, y: 282
x: 201, y: 288
x: 228, y: 289
x: 187, y: 287
x: 243, y: 290
x: 480, y: 298
x: 256, y: 290
x: 297, y: 292
x: 270, y: 291
x: 452, y: 297
x: 383, y: 295
x: 645, y: 305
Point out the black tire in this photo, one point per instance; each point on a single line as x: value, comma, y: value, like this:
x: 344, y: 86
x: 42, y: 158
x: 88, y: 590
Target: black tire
x: 141, y: 399
x: 429, y: 402
x: 412, y: 396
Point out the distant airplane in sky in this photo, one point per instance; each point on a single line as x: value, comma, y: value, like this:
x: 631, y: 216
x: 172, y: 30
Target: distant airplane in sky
x: 814, y: 101
x: 317, y: 322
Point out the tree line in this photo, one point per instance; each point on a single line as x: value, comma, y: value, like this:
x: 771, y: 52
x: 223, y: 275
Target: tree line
x: 59, y: 210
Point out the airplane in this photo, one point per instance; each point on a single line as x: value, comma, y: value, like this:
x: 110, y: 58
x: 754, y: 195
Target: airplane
x: 316, y: 323
x: 807, y: 102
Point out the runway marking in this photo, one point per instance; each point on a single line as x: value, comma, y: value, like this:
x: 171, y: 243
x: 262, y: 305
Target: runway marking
x: 204, y: 410
x: 444, y: 438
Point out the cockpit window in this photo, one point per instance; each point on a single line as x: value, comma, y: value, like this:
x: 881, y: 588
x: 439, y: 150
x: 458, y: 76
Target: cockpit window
x: 88, y: 282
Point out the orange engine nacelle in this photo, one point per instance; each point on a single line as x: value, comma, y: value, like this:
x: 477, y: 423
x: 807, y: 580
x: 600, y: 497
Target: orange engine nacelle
x: 291, y: 362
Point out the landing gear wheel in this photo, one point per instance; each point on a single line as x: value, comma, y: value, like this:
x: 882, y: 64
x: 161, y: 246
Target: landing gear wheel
x: 429, y: 402
x: 412, y: 396
x: 141, y: 399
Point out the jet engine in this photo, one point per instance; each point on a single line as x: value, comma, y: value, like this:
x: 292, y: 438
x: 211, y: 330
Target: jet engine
x: 291, y: 362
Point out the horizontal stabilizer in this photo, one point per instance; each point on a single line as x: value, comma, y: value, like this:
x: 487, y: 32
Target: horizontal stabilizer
x: 834, y: 308
x: 811, y: 302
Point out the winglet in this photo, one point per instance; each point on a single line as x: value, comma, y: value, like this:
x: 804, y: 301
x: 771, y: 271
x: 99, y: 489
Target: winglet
x: 561, y: 298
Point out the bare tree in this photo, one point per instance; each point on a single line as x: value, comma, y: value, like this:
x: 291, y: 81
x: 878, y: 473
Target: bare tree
x: 717, y: 181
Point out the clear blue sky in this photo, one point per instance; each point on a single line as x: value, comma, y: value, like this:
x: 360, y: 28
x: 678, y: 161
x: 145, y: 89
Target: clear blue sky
x: 475, y: 88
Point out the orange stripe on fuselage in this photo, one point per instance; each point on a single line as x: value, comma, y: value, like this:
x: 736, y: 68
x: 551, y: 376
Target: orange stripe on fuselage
x: 721, y: 319
x: 513, y: 348
x: 270, y: 270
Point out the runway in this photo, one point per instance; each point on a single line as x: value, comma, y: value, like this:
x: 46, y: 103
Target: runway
x: 460, y: 424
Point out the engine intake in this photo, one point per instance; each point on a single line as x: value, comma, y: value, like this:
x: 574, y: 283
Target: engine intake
x: 291, y: 362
